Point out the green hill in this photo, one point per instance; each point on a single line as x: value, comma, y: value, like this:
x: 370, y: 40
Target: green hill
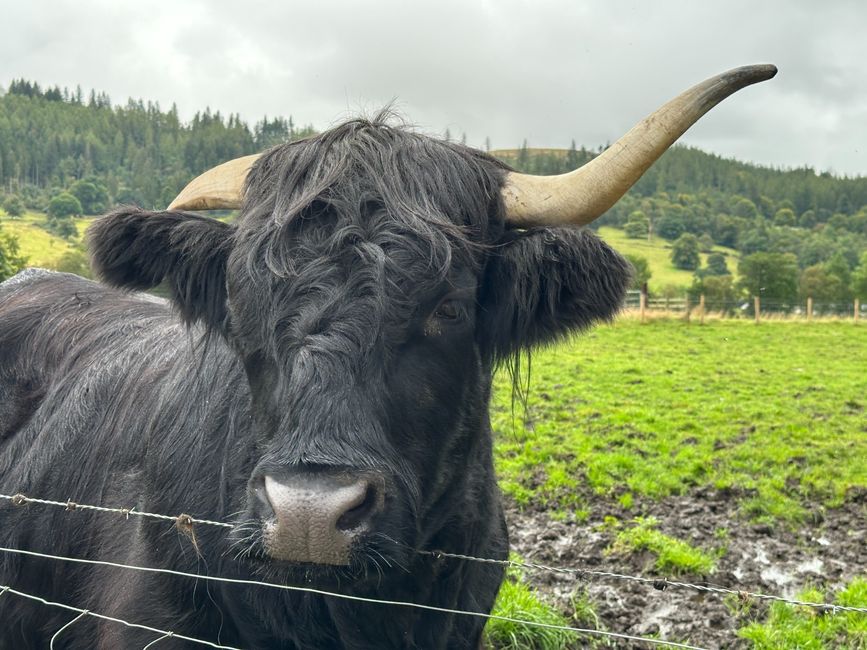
x: 40, y: 247
x: 53, y: 141
x: 45, y: 249
x: 658, y: 254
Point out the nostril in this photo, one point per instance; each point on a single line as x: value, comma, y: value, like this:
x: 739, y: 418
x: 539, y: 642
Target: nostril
x: 361, y: 510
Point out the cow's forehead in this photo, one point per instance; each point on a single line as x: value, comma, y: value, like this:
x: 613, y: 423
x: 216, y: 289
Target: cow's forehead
x: 361, y: 163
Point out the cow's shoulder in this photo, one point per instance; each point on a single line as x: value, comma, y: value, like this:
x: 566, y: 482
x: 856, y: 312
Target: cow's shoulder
x: 52, y: 324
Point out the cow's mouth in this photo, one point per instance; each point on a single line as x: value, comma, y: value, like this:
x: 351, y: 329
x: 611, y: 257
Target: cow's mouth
x: 370, y: 560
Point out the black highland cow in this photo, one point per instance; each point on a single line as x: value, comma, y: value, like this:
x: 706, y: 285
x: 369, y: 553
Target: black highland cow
x: 320, y: 379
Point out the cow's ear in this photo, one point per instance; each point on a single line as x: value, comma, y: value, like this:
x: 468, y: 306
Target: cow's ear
x: 543, y: 283
x: 136, y: 249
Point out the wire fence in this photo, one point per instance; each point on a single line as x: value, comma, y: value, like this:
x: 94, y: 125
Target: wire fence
x: 698, y: 306
x: 185, y: 523
x: 321, y: 592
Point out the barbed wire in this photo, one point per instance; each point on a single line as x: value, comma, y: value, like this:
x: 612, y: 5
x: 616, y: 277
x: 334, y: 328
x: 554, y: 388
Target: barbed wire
x: 181, y: 520
x: 660, y: 584
x: 321, y: 592
x: 5, y: 589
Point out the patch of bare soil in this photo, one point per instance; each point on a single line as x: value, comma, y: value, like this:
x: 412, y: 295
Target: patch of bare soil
x: 778, y: 560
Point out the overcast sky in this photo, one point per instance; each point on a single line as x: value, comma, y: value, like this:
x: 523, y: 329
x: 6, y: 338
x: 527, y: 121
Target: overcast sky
x: 545, y: 70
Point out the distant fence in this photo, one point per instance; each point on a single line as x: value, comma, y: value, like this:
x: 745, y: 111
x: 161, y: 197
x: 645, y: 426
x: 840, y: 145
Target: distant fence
x: 756, y: 308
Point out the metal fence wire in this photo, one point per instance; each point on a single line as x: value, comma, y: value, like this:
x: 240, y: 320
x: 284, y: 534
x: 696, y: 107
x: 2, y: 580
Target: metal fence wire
x: 185, y: 523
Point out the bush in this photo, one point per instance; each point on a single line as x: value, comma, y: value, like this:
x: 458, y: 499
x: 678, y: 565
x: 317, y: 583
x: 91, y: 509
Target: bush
x: 719, y: 292
x: 640, y: 270
x: 11, y: 261
x: 64, y: 205
x: 62, y: 227
x: 706, y: 243
x: 685, y: 253
x: 92, y: 196
x: 669, y: 226
x: 716, y: 265
x: 74, y: 261
x: 637, y: 226
x: 13, y: 205
x: 772, y: 276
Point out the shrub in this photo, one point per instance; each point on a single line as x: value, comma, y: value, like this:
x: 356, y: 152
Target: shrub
x: 13, y: 206
x: 64, y: 205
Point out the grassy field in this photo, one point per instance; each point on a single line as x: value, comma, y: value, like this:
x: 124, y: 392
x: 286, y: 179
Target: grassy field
x: 41, y: 247
x: 775, y: 410
x: 658, y: 254
x: 771, y: 415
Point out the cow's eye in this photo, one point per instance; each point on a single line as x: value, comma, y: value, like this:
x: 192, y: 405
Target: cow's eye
x: 449, y: 310
x: 449, y: 315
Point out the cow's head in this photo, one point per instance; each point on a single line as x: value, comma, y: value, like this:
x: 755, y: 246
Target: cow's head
x: 370, y: 284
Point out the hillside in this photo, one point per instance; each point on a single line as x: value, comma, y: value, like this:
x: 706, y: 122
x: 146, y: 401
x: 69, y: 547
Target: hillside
x: 658, y: 254
x: 45, y: 249
x: 53, y: 141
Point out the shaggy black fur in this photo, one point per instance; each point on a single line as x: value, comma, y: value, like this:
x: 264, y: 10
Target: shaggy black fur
x: 350, y: 320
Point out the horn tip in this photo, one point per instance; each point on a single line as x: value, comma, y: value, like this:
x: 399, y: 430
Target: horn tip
x: 756, y: 73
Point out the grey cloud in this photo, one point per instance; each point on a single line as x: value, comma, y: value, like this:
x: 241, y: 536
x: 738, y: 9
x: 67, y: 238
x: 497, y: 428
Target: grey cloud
x: 548, y: 71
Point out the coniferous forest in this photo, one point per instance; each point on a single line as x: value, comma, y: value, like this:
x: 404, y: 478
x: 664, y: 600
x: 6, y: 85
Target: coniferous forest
x: 138, y: 152
x: 68, y: 154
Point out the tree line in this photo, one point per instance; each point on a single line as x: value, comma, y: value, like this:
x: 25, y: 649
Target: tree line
x: 68, y: 154
x: 53, y: 138
x: 799, y: 233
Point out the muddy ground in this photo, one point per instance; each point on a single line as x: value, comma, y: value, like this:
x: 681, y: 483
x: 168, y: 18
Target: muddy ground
x: 779, y: 560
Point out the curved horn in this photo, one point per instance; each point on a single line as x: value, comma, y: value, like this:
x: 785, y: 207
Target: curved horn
x: 584, y: 194
x: 220, y: 188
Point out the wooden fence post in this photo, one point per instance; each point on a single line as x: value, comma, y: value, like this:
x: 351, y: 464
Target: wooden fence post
x: 686, y: 308
x: 701, y: 309
x: 809, y: 308
x: 857, y: 309
x: 642, y: 301
x: 757, y: 306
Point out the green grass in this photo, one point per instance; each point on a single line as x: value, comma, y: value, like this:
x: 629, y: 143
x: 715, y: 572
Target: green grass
x: 673, y: 556
x: 773, y: 412
x: 40, y: 247
x: 808, y: 629
x: 518, y: 600
x: 658, y: 254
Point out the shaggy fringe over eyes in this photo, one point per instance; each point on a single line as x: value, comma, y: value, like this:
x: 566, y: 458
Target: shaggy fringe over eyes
x: 444, y: 195
x: 372, y: 216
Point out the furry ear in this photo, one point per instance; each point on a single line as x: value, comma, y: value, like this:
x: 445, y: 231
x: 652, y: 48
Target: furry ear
x: 543, y: 283
x: 135, y: 249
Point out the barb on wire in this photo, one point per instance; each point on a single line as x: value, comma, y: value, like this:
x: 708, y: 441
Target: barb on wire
x: 658, y: 583
x: 184, y: 522
x: 86, y: 612
x: 321, y: 592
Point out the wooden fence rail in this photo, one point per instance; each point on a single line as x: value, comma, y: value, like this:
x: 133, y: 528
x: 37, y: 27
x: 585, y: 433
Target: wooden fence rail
x: 756, y: 308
